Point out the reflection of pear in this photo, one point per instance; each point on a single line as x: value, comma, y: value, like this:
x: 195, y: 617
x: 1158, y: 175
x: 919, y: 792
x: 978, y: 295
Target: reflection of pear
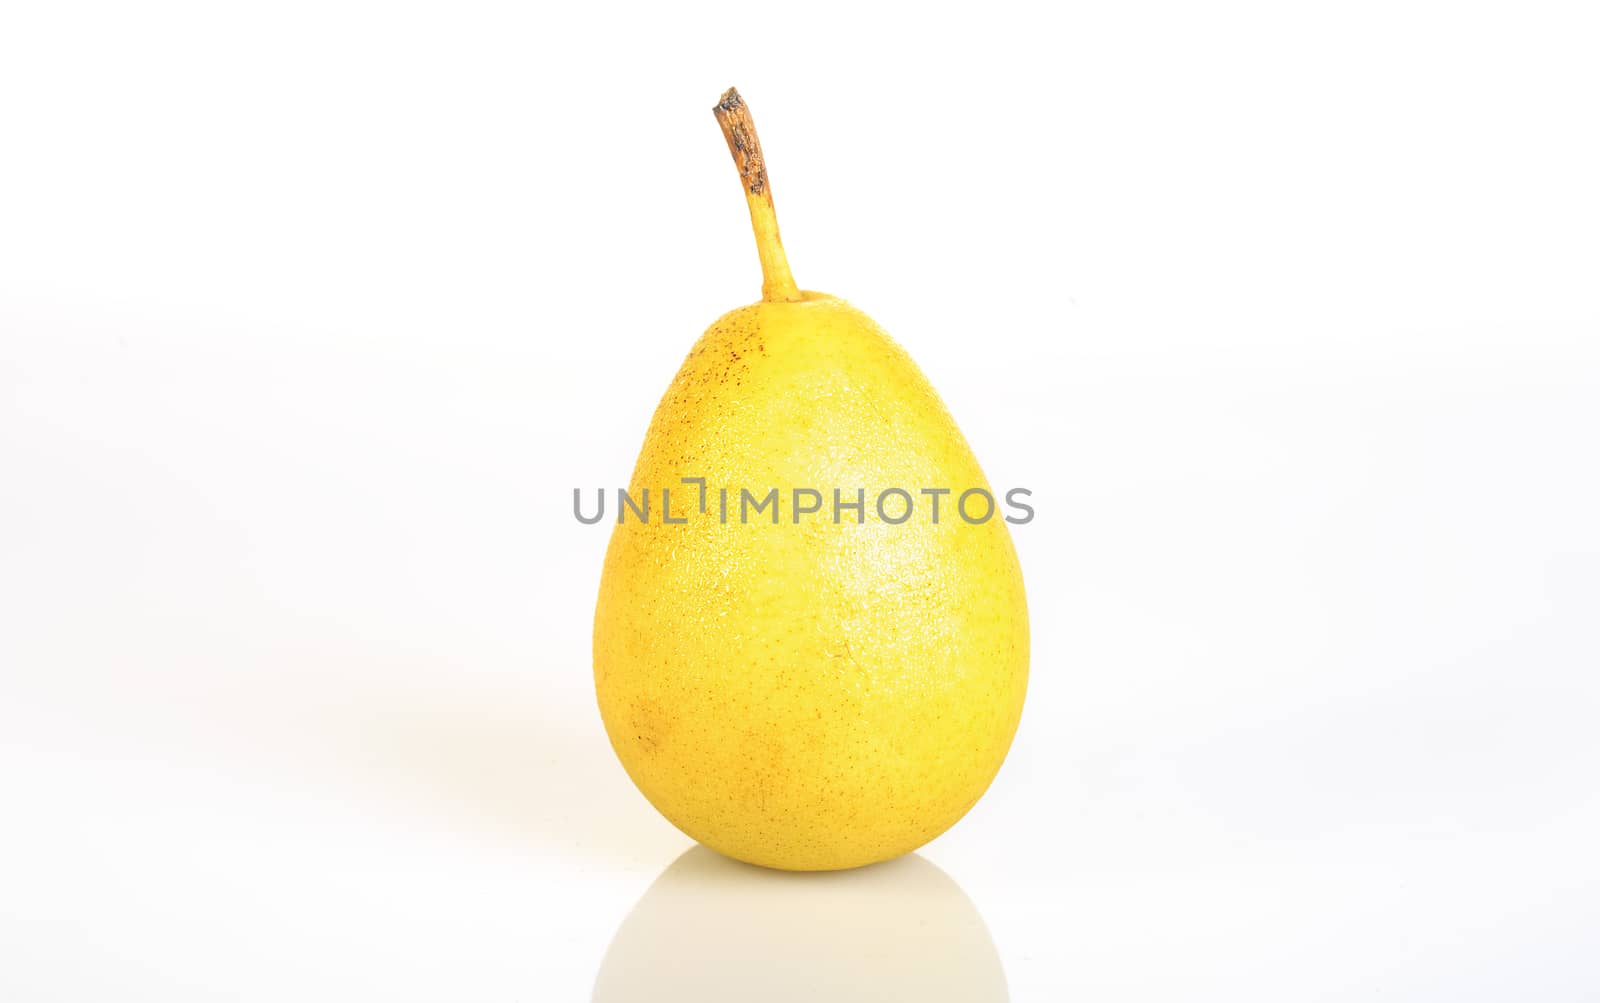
x: 710, y: 929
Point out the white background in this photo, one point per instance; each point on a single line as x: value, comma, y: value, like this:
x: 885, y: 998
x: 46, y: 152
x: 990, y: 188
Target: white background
x: 313, y: 314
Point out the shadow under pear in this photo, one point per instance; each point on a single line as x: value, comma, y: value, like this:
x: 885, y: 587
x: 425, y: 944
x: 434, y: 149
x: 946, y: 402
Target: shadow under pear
x: 711, y: 928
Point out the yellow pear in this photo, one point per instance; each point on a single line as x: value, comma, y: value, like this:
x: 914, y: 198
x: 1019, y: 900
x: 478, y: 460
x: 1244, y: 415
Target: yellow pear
x: 811, y: 640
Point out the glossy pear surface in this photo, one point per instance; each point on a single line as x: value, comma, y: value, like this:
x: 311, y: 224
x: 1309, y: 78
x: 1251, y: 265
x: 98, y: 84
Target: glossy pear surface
x: 813, y: 695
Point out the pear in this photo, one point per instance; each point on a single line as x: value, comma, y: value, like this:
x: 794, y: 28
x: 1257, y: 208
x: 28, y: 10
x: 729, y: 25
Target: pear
x: 798, y: 660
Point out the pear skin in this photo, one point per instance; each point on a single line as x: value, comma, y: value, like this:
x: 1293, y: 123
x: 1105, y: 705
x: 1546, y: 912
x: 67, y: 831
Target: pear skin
x: 839, y: 686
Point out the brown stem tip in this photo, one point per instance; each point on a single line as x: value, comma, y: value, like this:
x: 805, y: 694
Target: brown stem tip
x: 739, y: 129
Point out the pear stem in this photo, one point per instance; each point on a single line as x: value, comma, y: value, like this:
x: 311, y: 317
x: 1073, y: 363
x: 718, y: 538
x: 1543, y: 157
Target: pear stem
x: 739, y: 129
